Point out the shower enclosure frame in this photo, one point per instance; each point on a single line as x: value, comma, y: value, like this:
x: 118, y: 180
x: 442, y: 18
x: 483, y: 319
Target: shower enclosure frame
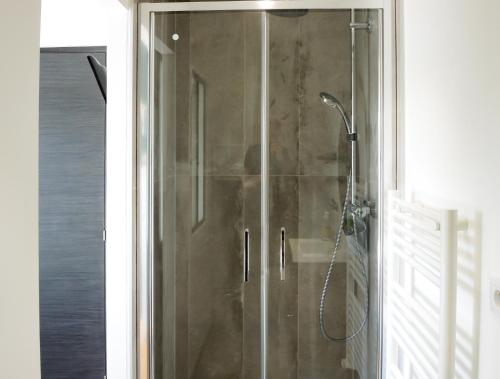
x: 387, y: 137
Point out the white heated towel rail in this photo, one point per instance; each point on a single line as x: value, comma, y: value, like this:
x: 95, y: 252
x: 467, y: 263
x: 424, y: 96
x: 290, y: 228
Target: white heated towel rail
x: 421, y: 283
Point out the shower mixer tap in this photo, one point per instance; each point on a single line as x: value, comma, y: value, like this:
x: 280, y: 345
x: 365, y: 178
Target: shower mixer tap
x: 362, y: 211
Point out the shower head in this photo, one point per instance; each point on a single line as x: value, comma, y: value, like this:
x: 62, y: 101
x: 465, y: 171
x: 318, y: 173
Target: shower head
x: 332, y: 102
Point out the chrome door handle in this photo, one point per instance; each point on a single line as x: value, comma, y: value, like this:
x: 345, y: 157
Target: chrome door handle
x: 282, y: 254
x: 246, y: 255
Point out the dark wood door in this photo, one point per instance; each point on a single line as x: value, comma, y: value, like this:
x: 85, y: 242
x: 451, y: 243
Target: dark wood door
x: 72, y: 205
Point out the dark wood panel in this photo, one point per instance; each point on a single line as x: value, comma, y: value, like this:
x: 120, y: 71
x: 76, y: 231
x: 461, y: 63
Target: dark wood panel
x: 72, y: 182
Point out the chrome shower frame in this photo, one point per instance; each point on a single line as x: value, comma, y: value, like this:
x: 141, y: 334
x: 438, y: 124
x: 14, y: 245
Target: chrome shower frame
x: 143, y: 144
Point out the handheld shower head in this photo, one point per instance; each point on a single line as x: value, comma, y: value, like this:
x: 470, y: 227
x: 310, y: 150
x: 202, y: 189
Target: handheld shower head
x: 329, y: 100
x: 332, y: 102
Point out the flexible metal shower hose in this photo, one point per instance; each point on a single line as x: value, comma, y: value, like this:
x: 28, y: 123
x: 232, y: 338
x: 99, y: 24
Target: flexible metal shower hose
x: 329, y: 275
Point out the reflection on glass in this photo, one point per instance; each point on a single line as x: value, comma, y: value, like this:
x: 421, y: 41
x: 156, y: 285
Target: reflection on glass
x: 198, y: 149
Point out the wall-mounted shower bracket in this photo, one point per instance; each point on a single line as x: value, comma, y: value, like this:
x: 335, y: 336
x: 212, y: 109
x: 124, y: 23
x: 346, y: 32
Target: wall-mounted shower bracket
x: 362, y: 25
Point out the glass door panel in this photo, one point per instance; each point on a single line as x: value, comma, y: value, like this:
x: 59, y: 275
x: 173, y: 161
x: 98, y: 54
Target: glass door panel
x: 310, y: 159
x: 363, y: 351
x: 206, y: 195
x: 250, y: 172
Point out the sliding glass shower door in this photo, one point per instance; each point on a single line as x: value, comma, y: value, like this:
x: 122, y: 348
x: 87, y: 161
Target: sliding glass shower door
x: 243, y: 177
x: 206, y: 178
x: 316, y: 52
x: 308, y: 163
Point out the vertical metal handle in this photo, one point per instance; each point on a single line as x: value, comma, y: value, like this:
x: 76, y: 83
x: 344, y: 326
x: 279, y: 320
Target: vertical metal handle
x: 282, y: 254
x: 246, y: 255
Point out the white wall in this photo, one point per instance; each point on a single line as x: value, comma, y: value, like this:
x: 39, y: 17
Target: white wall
x: 108, y: 23
x: 19, y: 66
x: 450, y: 76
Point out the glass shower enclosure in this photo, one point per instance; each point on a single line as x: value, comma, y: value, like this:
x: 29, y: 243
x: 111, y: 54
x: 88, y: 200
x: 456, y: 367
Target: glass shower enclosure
x: 258, y: 241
